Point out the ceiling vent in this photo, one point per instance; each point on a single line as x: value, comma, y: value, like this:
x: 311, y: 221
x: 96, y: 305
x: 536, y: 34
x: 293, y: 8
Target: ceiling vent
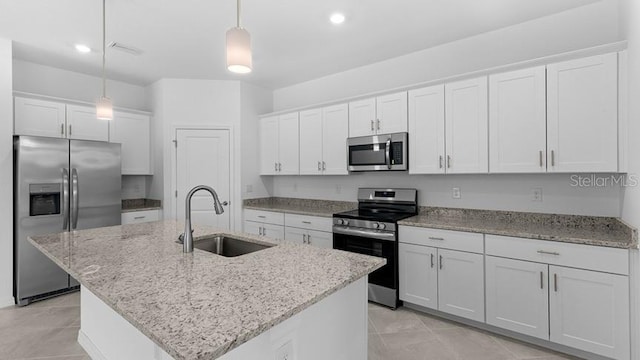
x: 125, y: 48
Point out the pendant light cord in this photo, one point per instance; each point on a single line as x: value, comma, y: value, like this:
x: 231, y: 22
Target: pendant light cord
x: 104, y: 37
x: 238, y: 15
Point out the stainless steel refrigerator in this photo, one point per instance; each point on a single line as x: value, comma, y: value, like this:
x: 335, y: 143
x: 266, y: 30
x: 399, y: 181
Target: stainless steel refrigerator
x: 59, y: 185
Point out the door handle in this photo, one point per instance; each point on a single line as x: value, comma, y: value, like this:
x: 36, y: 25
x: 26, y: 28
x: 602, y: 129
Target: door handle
x: 440, y: 161
x: 259, y: 230
x: 70, y: 133
x: 540, y: 158
x: 65, y: 199
x: 553, y: 158
x: 279, y: 166
x: 75, y: 198
x: 377, y: 124
x: 387, y: 153
x: 448, y: 161
x: 371, y: 125
x: 319, y: 166
x: 304, y: 238
x: 276, y: 166
x: 309, y: 239
x: 432, y: 261
x: 324, y: 166
x: 62, y: 129
x: 555, y: 282
x: 440, y: 262
x: 541, y: 280
x: 264, y: 231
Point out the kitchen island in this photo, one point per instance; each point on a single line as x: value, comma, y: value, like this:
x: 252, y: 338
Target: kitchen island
x: 142, y: 297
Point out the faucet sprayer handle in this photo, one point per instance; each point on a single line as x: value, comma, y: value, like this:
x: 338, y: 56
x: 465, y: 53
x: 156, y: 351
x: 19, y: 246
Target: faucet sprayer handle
x: 181, y: 237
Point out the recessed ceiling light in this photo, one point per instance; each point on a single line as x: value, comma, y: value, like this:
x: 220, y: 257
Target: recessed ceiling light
x: 83, y: 48
x: 337, y: 18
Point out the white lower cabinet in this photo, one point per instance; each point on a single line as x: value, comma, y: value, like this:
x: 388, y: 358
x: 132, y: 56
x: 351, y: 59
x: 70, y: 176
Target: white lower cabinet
x: 311, y: 237
x: 418, y: 275
x: 589, y: 310
x: 461, y: 284
x: 517, y: 296
x: 269, y: 230
x: 136, y: 217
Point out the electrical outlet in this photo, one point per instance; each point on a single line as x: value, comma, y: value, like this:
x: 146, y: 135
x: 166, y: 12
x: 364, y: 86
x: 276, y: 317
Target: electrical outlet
x: 456, y: 193
x: 536, y: 194
x: 285, y: 352
x: 249, y: 189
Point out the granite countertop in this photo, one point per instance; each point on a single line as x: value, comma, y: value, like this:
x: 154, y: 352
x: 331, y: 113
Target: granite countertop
x: 200, y: 305
x: 324, y: 208
x: 589, y: 230
x: 131, y: 205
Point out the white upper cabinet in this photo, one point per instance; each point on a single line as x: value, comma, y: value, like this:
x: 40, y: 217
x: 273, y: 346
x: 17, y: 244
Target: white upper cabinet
x: 279, y: 151
x: 466, y: 126
x: 517, y: 121
x: 335, y: 130
x: 426, y: 130
x: 39, y: 118
x: 382, y: 115
x: 311, y: 136
x: 582, y: 115
x: 132, y: 131
x: 82, y: 124
x: 362, y: 117
x: 323, y: 137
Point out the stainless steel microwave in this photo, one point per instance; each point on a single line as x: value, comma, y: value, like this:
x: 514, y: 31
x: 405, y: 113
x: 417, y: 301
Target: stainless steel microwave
x: 386, y: 152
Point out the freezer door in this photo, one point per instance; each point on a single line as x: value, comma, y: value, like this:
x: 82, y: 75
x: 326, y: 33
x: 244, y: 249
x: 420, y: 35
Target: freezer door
x: 96, y: 199
x: 39, y: 205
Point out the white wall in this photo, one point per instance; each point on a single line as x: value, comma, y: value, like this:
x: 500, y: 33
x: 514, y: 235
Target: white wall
x: 574, y: 29
x: 134, y: 186
x: 6, y: 176
x: 47, y: 80
x: 253, y: 102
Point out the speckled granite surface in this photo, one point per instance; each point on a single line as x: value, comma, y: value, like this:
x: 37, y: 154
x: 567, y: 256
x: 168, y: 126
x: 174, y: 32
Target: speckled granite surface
x: 200, y: 305
x: 130, y: 205
x: 310, y: 207
x: 590, y: 230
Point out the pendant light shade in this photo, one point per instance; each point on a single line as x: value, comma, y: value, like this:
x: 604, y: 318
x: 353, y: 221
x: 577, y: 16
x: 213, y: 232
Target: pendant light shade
x: 239, y: 48
x: 104, y: 107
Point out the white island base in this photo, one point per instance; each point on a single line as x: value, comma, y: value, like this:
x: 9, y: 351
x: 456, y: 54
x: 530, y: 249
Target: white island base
x: 334, y: 328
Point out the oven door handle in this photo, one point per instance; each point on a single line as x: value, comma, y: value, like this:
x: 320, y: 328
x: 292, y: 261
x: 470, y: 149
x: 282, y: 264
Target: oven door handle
x: 379, y: 235
x: 387, y: 153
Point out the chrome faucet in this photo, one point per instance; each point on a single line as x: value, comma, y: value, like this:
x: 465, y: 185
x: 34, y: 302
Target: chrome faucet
x: 187, y: 236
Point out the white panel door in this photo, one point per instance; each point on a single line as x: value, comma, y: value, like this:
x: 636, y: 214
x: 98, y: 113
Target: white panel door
x: 362, y: 117
x: 39, y: 118
x: 391, y: 111
x: 589, y: 310
x: 269, y: 145
x: 517, y: 295
x: 273, y: 231
x: 320, y: 239
x: 132, y: 131
x: 426, y: 130
x: 582, y: 115
x: 82, y: 124
x: 461, y: 284
x: 311, y: 135
x: 295, y: 235
x: 288, y: 150
x: 335, y: 130
x: 203, y: 159
x: 467, y: 126
x: 418, y: 274
x: 517, y: 121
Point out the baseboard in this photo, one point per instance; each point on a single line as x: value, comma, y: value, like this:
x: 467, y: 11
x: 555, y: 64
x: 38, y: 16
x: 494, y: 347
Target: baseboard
x: 89, y: 347
x: 6, y: 302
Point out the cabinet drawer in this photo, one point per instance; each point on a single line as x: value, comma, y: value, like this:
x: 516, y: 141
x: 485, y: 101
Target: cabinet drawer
x: 267, y: 217
x: 136, y: 217
x: 444, y: 239
x: 309, y: 222
x: 596, y: 258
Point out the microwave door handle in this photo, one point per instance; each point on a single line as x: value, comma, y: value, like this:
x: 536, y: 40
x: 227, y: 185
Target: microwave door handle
x: 65, y: 199
x: 387, y: 154
x: 76, y: 200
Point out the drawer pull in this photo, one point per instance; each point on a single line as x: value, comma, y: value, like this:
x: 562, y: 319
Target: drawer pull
x: 139, y: 217
x: 262, y: 216
x: 548, y: 252
x: 436, y: 238
x: 307, y: 222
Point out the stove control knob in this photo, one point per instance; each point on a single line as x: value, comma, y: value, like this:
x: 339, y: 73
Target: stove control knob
x: 381, y: 226
x: 345, y: 222
x: 376, y: 225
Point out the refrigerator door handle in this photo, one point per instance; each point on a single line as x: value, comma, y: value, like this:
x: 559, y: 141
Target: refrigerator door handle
x: 74, y: 196
x: 65, y: 199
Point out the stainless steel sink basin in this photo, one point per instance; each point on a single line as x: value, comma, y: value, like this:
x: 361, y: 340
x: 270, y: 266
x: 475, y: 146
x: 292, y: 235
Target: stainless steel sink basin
x: 227, y: 246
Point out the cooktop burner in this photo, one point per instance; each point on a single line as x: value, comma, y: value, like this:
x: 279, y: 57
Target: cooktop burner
x: 373, y: 215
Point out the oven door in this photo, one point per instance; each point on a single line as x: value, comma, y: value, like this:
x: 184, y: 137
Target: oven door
x: 386, y: 276
x: 379, y: 152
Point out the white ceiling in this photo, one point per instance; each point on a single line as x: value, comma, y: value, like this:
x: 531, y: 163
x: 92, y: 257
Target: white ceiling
x: 293, y: 40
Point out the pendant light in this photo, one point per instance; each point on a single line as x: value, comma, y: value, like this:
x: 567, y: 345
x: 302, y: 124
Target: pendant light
x: 104, y: 108
x: 238, y: 48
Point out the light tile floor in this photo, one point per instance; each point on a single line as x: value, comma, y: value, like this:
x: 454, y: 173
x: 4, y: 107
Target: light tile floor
x: 48, y: 330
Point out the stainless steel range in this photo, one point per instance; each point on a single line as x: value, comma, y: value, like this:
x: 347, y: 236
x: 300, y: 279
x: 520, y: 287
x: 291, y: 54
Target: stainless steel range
x: 372, y: 229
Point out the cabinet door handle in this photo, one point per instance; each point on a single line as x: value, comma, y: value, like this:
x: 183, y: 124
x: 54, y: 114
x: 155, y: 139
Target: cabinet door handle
x: 319, y: 166
x: 61, y: 129
x: 70, y: 129
x: 436, y: 238
x: 264, y: 231
x: 377, y: 124
x: 260, y: 230
x: 304, y: 238
x: 324, y: 166
x: 432, y: 260
x: 440, y: 262
x: 371, y: 125
x: 276, y: 166
x: 309, y: 239
x: 440, y: 161
x: 279, y: 166
x: 555, y: 282
x: 548, y: 252
x: 448, y: 161
x: 553, y: 158
x: 540, y: 158
x: 541, y: 280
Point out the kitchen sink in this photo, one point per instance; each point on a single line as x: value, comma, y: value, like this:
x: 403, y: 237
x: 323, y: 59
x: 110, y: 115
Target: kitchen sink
x: 228, y: 246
